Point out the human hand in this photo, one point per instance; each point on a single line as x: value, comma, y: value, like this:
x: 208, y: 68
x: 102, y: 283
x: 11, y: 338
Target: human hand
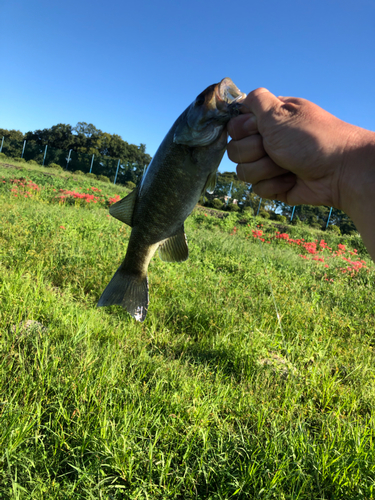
x: 290, y: 149
x: 293, y: 151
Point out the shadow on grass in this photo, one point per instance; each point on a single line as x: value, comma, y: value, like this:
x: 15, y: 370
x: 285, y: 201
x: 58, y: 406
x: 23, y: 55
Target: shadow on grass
x: 195, y: 342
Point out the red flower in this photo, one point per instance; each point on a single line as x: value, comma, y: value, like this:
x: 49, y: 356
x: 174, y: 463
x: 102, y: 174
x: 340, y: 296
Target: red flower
x: 114, y: 199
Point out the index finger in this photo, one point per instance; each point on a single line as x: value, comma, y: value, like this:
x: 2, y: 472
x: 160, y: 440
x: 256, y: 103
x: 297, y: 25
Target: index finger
x: 253, y: 107
x: 242, y: 125
x: 260, y: 101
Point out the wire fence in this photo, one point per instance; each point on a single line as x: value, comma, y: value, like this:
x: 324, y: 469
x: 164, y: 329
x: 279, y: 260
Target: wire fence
x: 300, y: 211
x: 116, y: 169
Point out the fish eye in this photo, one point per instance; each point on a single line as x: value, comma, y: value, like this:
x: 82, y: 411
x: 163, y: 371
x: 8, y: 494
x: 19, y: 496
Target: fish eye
x: 200, y: 100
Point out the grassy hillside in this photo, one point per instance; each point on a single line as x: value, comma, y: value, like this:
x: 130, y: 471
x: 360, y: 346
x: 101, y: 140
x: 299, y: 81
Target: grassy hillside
x: 211, y: 397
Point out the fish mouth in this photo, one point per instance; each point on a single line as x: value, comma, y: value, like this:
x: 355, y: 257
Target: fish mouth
x: 228, y: 96
x: 207, y: 116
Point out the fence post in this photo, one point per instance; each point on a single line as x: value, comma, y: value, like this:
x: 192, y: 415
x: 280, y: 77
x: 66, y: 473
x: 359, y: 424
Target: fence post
x: 260, y: 202
x: 67, y: 163
x: 329, y: 216
x: 229, y: 193
x: 2, y: 142
x: 45, y: 153
x: 118, y: 165
x: 92, y: 161
x: 23, y: 149
x: 292, y: 213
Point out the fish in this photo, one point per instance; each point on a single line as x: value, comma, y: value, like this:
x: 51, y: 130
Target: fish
x: 183, y: 168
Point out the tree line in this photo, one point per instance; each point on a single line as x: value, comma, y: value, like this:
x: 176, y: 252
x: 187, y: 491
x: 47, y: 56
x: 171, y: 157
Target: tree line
x: 83, y: 140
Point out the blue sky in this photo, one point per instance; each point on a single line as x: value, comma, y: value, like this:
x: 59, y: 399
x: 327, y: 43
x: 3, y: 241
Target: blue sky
x: 131, y: 68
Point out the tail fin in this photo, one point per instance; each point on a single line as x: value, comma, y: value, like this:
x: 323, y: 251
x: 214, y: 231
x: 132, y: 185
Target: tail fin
x: 129, y: 291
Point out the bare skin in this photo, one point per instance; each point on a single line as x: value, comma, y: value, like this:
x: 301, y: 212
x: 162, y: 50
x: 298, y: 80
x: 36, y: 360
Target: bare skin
x: 292, y: 150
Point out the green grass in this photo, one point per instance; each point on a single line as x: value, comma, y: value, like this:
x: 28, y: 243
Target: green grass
x: 208, y: 398
x: 45, y: 176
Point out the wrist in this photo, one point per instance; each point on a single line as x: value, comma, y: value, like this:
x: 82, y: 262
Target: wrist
x: 357, y: 187
x: 357, y: 175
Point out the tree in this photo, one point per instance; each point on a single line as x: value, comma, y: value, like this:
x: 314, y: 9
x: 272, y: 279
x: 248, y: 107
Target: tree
x: 88, y: 138
x: 13, y: 142
x: 58, y: 136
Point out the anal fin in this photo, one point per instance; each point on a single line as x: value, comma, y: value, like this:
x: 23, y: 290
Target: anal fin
x: 123, y: 209
x: 175, y: 249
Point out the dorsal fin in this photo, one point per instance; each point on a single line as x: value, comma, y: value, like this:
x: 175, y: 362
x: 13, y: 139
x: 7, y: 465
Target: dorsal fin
x: 123, y: 209
x: 175, y: 249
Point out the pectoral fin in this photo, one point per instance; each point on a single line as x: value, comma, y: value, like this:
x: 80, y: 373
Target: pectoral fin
x: 175, y: 248
x: 210, y: 183
x: 123, y: 209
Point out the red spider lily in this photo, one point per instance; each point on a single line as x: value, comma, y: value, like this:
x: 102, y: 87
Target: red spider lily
x: 114, y: 199
x: 88, y: 198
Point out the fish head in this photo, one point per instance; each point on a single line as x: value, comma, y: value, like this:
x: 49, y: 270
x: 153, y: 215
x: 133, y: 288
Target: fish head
x: 206, y: 118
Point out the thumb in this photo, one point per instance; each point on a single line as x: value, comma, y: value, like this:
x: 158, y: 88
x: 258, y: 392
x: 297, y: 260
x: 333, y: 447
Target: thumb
x: 259, y: 101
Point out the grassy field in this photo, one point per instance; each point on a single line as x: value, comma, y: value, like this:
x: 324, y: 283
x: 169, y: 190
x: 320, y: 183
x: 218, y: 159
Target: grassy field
x: 211, y: 397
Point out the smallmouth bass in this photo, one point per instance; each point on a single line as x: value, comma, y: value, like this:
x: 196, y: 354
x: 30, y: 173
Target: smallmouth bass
x: 183, y: 168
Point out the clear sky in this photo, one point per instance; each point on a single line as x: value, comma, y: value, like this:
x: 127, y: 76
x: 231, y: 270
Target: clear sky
x: 131, y: 68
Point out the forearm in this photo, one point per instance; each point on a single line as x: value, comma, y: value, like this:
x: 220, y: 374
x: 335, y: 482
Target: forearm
x: 357, y: 188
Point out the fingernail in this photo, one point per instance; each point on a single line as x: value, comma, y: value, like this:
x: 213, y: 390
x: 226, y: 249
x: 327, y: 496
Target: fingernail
x: 230, y: 130
x: 251, y: 123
